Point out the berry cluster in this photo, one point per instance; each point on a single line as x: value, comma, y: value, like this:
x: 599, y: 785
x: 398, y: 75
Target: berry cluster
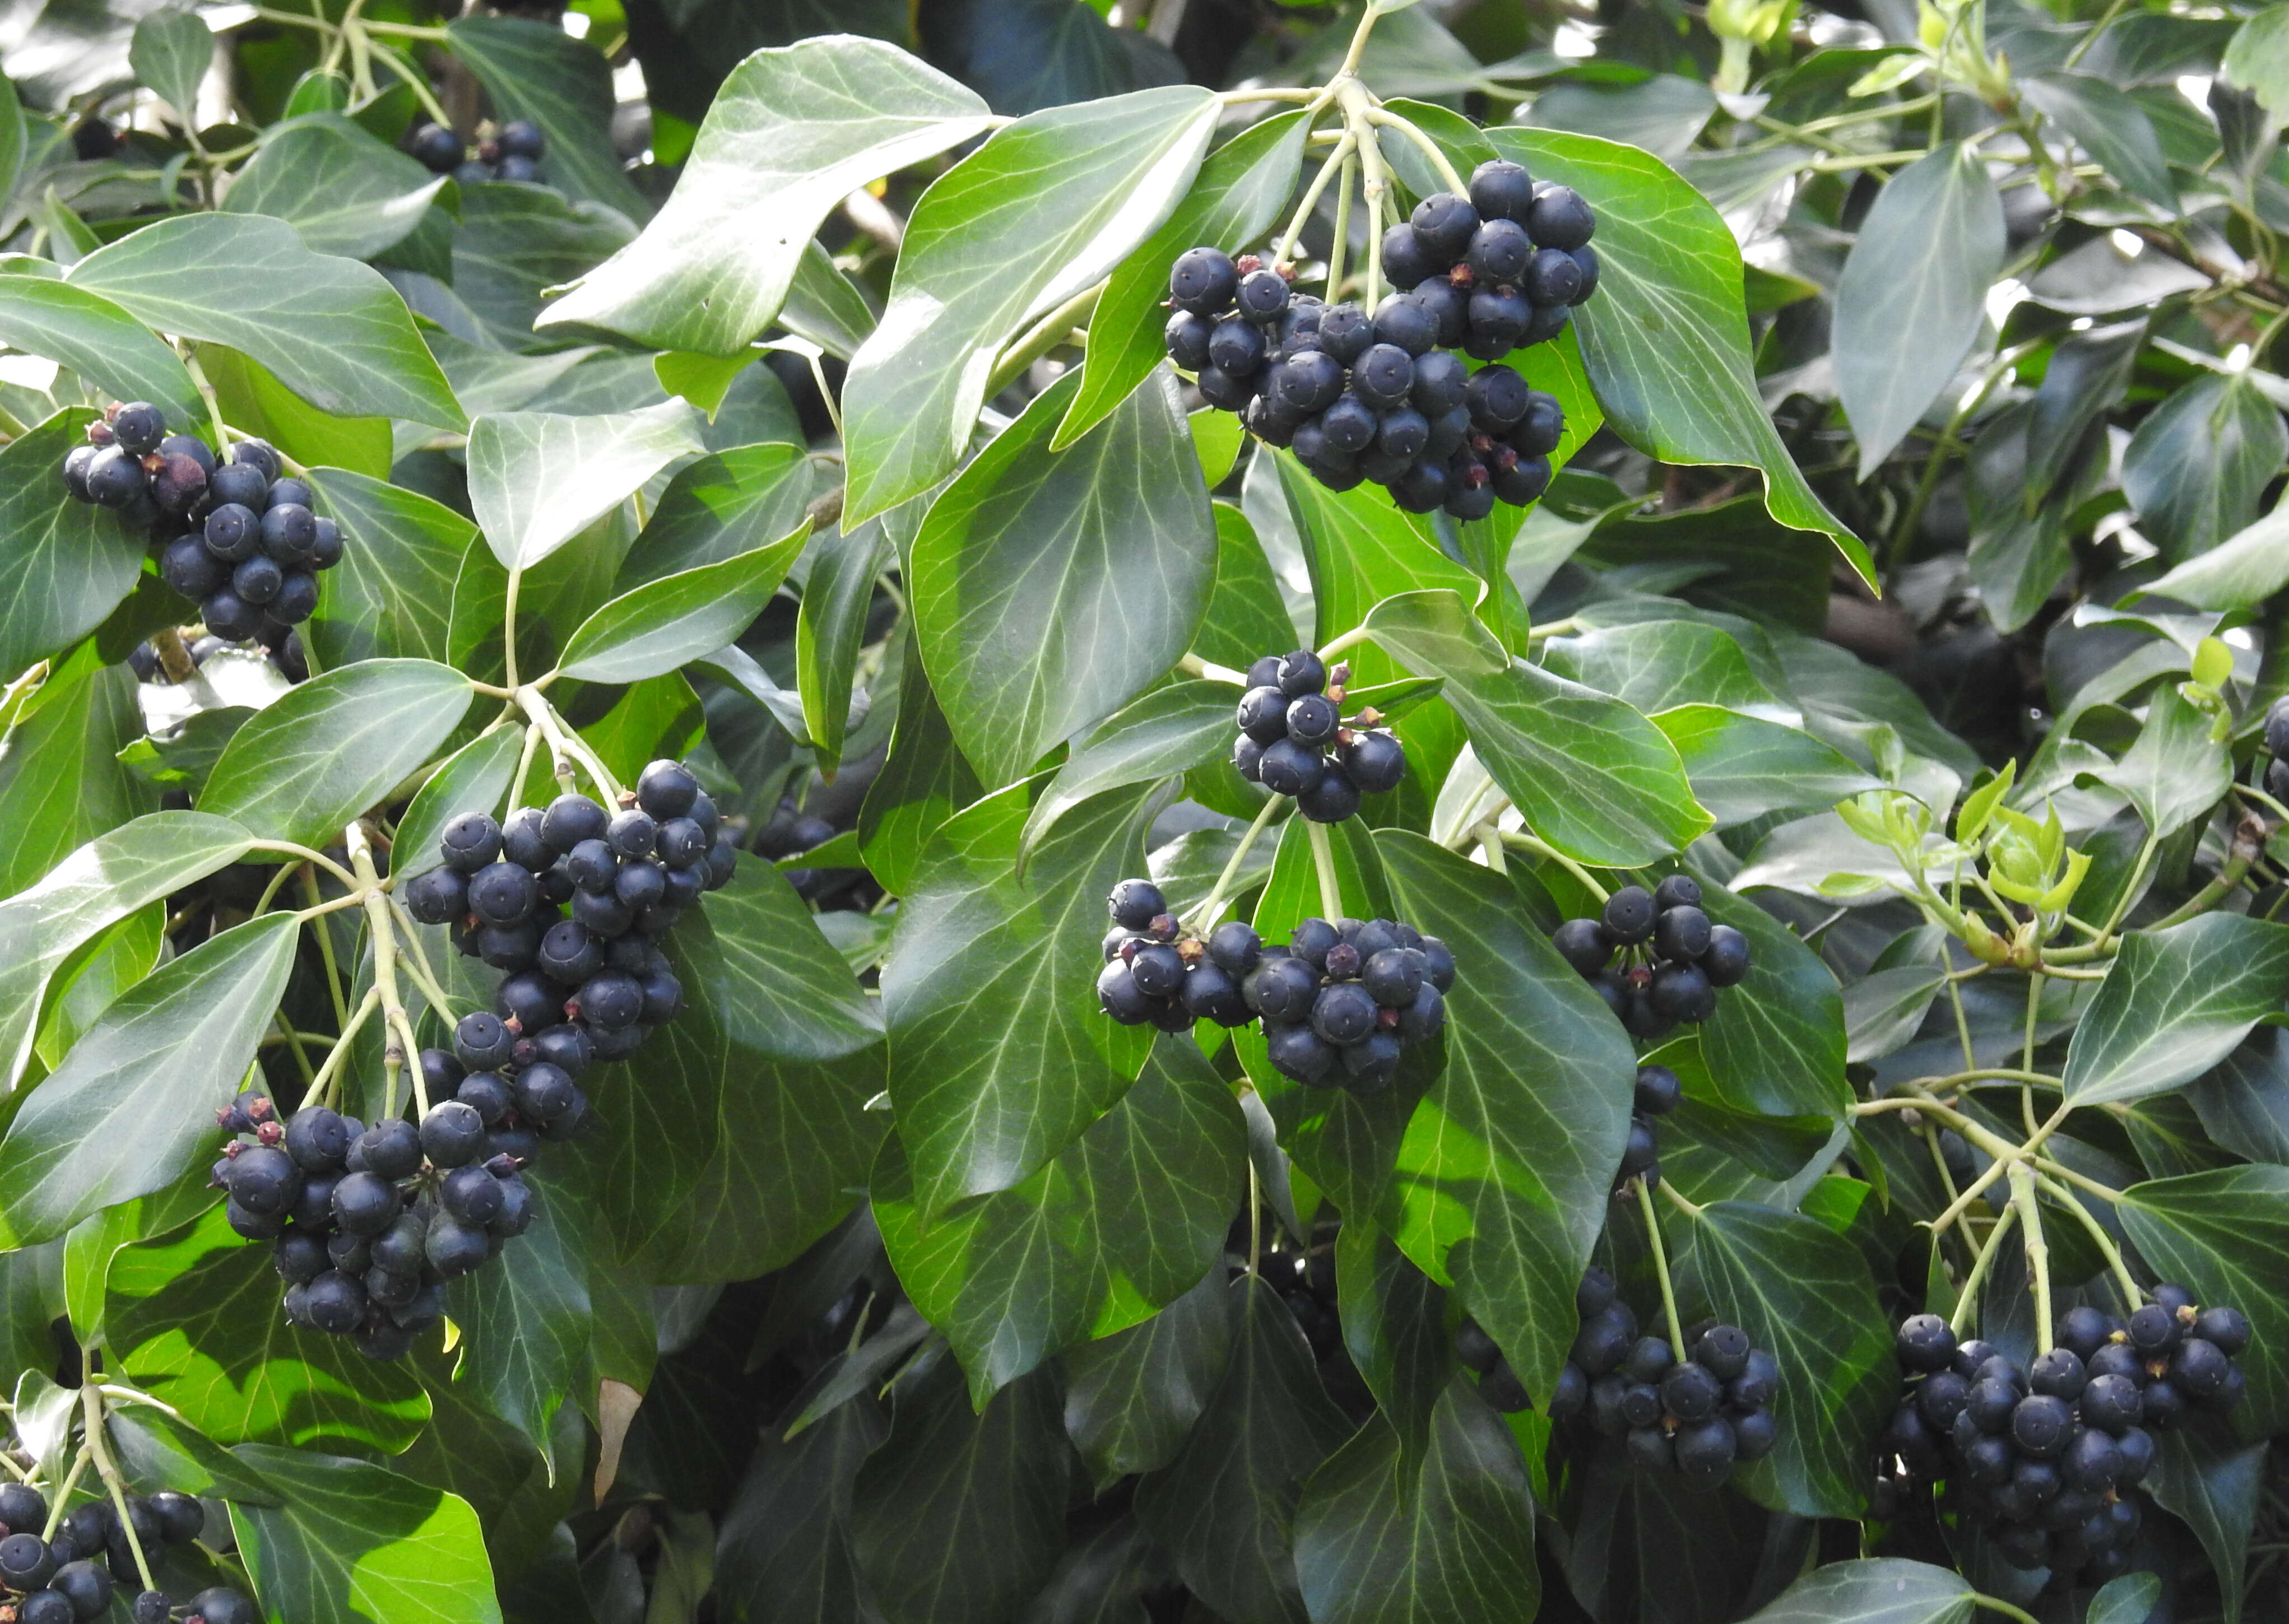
x: 1656, y: 1094
x: 1672, y: 959
x: 2045, y: 1459
x: 245, y: 545
x: 1352, y: 993
x: 70, y: 1576
x: 512, y: 153
x: 1696, y: 1417
x: 594, y: 982
x: 2276, y: 744
x: 1498, y: 1384
x: 1386, y: 397
x: 1295, y: 740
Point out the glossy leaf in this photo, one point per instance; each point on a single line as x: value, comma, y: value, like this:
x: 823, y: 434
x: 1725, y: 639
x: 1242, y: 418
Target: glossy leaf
x: 664, y: 623
x: 2215, y: 1491
x: 2221, y: 1234
x: 2111, y: 128
x: 61, y: 781
x: 525, y: 1319
x: 2174, y: 1004
x: 343, y: 191
x: 1046, y: 207
x: 331, y: 329
x: 2246, y: 569
x: 924, y: 782
x: 538, y: 479
x: 1874, y: 1590
x: 1394, y: 1326
x: 1776, y: 1045
x: 789, y: 134
x: 785, y: 1550
x: 2199, y: 461
x: 68, y: 564
x: 838, y: 591
x: 477, y: 776
x: 392, y: 593
x: 2174, y: 771
x: 1132, y: 1398
x: 1660, y: 664
x: 305, y: 767
x: 1743, y: 767
x: 725, y: 503
x: 94, y: 338
x: 171, y: 53
x: 130, y: 1111
x: 1169, y: 730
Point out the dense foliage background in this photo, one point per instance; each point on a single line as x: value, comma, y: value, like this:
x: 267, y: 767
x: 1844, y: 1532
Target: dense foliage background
x: 1923, y: 445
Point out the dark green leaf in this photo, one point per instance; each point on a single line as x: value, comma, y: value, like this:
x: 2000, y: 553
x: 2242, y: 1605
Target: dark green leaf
x: 2174, y: 771
x: 1131, y: 1398
x: 97, y: 341
x: 2174, y: 1004
x: 1776, y: 1045
x: 513, y: 244
x: 524, y: 1318
x: 2198, y: 463
x: 1394, y: 1322
x: 664, y: 623
x: 1247, y: 618
x: 61, y: 783
x: 924, y: 782
x: 2112, y: 128
x: 2223, y: 1234
x: 67, y: 564
x: 1743, y: 767
x: 999, y: 1057
x: 1883, y: 1009
x: 159, y: 1450
x: 332, y: 330
x: 1169, y: 730
x: 1656, y: 665
x: 130, y: 1111
x: 2215, y: 1491
x: 1877, y: 1590
x: 536, y: 71
x: 538, y: 479
x: 1100, y: 1581
x: 2246, y: 569
x: 334, y: 746
x: 344, y: 191
x: 2257, y: 60
x: 1226, y: 1508
x: 723, y: 504
x: 1384, y: 1536
x: 477, y: 776
x: 838, y: 593
x: 1046, y: 207
x: 1119, y: 1224
x: 790, y: 133
x: 782, y: 1555
x: 391, y: 594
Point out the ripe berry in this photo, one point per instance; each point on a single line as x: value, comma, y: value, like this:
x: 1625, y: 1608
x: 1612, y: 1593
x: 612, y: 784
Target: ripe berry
x: 2059, y: 1373
x: 115, y: 479
x: 1519, y: 481
x: 516, y: 1210
x: 471, y: 1194
x: 1725, y: 961
x: 486, y: 1094
x: 1312, y: 719
x: 2041, y: 1425
x: 2199, y: 1368
x: 1280, y: 989
x: 1499, y: 254
x: 1381, y: 377
x: 1406, y: 323
x: 1400, y: 434
x: 1497, y: 398
x: 1657, y: 1093
x: 1234, y: 947
x: 1629, y: 915
x: 613, y: 999
x: 2091, y: 1463
x: 1500, y: 319
x: 264, y: 1179
x: 189, y: 567
x: 1448, y: 307
x: 632, y: 833
x: 543, y: 1093
x: 336, y: 1302
x: 23, y: 1508
x: 1333, y: 799
x: 1406, y: 261
x: 1501, y: 190
x: 470, y: 842
x: 1262, y: 294
x: 502, y: 893
x: 317, y: 1138
x: 150, y: 1607
x: 1210, y: 994
x: 2153, y: 1329
x: 1300, y: 1052
x: 1263, y: 716
x: 451, y: 1132
x: 1393, y: 977
x: 391, y: 1149
x: 1159, y: 970
x: 1185, y: 339
x: 1443, y: 226
x: 1203, y: 279
x: 1236, y: 347
x: 1940, y: 1398
x: 47, y: 1607
x: 482, y: 1042
x: 1559, y: 219
x: 2225, y: 1328
x: 139, y: 427
x: 1754, y: 1433
x: 1348, y: 426
x: 1537, y: 433
x: 1345, y: 331
x: 1583, y: 945
x: 1681, y: 932
x: 1552, y: 277
x: 1375, y: 762
x: 572, y: 819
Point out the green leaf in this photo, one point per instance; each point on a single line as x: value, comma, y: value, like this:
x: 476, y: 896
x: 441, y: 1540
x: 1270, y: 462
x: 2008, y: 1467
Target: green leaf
x: 831, y: 623
x: 255, y: 402
x: 760, y: 1085
x: 1169, y: 730
x: 725, y: 503
x: 2174, y: 771
x: 315, y: 758
x: 664, y: 623
x: 391, y: 594
x: 1775, y: 1046
x: 344, y: 191
x: 2174, y: 1004
x: 2128, y: 1598
x: 2198, y: 465
x: 2222, y: 1234
x: 785, y: 1551
x: 536, y: 71
x: 999, y: 1057
x: 1883, y: 1009
x: 959, y: 1515
x: 1383, y: 1538
x: 1237, y: 196
x: 513, y: 243
x: 1914, y: 294
x: 924, y: 782
x: 1657, y: 664
x: 1044, y: 208
x: 1225, y: 1508
x: 1874, y: 1590
x: 1589, y: 774
x: 1116, y: 1226
x: 790, y: 133
x: 525, y: 1319
x: 331, y: 329
x: 2257, y: 59
x: 1132, y: 1398
x: 2243, y: 570
x: 2112, y: 128
x: 1743, y: 767
x: 479, y: 774
x: 2086, y: 377
x: 156, y: 1449
x: 169, y: 53
x: 12, y: 139
x: 1802, y: 1292
x: 2215, y: 1491
x: 1666, y: 339
x: 1502, y: 1177
x: 111, y: 877
x: 538, y: 479
x: 1048, y: 587
x: 61, y: 783
x: 97, y: 341
x: 130, y: 1111
x: 1394, y: 1326
x: 67, y: 564
x: 354, y: 1542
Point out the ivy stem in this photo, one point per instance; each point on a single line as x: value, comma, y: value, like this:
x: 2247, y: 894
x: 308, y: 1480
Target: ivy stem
x: 92, y: 1405
x: 1207, y: 911
x: 1255, y: 1217
x: 1044, y: 336
x: 1490, y: 846
x: 2008, y: 1608
x: 1518, y: 839
x: 286, y: 871
x: 1344, y: 644
x: 1323, y: 860
x: 326, y: 951
x: 569, y: 743
x: 2038, y: 1251
x: 399, y: 1045
x: 292, y: 1039
x: 207, y: 394
x: 1330, y: 167
x: 1661, y: 1271
x: 417, y: 959
x: 1669, y: 1193
x: 509, y: 630
x: 1968, y: 1300
x: 339, y: 1055
x: 309, y: 855
x: 2066, y: 1199
x: 62, y: 1497
x: 2103, y: 946
x: 1386, y: 119
x: 1339, y: 247
x: 523, y: 766
x: 1375, y: 182
x: 1193, y: 666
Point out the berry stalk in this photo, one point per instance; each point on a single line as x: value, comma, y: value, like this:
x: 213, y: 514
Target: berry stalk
x: 1660, y: 1266
x: 1323, y: 862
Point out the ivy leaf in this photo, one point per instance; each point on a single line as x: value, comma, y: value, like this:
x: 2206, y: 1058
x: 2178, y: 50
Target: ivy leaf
x: 532, y: 71
x: 2174, y: 1004
x: 725, y: 503
x: 170, y: 53
x: 1775, y: 1046
x: 1743, y: 767
x: 959, y: 1515
x: 790, y: 133
x: 131, y: 1110
x: 525, y: 1319
x: 68, y: 563
x: 1914, y: 294
x: 999, y: 1057
x: 1132, y: 1398
x: 354, y: 1541
x: 830, y: 623
x: 87, y: 333
x: 1503, y: 1176
x: 1046, y: 207
x: 343, y: 191
x: 1802, y: 1292
x: 2223, y: 1233
x: 1591, y: 775
x: 785, y: 1551
x: 1048, y: 587
x: 331, y: 329
x: 2199, y: 461
x: 480, y: 774
x: 1384, y: 1537
x: 2246, y: 569
x: 664, y: 623
x: 1119, y: 1223
x: 1658, y: 664
x: 307, y: 765
x: 1169, y: 730
x: 924, y: 782
x: 2215, y: 1491
x: 1666, y: 340
x: 1394, y: 1325
x: 1226, y: 1508
x: 2129, y: 1598
x: 2113, y: 128
x: 158, y: 1449
x: 538, y: 479
x: 2174, y: 770
x: 61, y: 781
x: 1237, y: 194
x: 111, y: 877
x: 1874, y: 1590
x: 391, y: 594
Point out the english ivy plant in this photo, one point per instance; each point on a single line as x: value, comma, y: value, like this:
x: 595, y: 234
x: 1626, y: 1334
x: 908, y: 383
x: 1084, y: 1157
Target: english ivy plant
x: 1363, y: 814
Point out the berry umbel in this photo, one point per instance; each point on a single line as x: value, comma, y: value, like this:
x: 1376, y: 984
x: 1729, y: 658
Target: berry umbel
x: 73, y: 1571
x: 1295, y: 741
x: 1654, y: 956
